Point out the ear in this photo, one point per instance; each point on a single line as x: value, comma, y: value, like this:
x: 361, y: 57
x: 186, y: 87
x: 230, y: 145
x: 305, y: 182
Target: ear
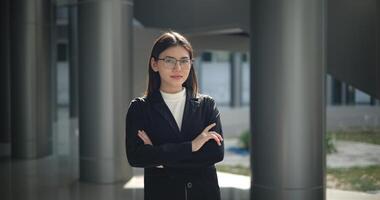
x: 153, y: 64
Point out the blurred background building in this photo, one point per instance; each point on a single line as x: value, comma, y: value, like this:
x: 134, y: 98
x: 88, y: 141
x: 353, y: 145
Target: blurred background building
x: 69, y: 69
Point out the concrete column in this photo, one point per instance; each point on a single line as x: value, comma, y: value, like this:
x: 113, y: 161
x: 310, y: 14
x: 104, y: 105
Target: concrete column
x: 288, y: 101
x: 104, y: 60
x: 350, y: 94
x: 53, y: 63
x: 73, y: 61
x: 344, y: 93
x: 5, y: 172
x: 236, y: 79
x: 30, y: 78
x: 329, y: 90
x: 5, y: 136
x: 337, y: 92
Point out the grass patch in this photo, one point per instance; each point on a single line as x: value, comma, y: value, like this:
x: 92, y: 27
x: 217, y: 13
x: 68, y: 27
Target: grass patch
x: 355, y: 178
x: 366, y: 136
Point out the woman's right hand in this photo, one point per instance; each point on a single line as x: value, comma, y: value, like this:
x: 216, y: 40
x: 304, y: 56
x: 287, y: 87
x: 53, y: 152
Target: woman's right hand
x: 203, y: 137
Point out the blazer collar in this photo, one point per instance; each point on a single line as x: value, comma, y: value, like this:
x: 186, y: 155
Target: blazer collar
x: 160, y: 106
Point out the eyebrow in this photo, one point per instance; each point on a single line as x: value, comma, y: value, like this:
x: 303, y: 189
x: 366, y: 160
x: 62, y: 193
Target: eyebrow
x: 184, y: 57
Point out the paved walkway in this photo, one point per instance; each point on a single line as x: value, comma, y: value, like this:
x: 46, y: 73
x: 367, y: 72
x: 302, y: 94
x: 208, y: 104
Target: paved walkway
x: 354, y: 154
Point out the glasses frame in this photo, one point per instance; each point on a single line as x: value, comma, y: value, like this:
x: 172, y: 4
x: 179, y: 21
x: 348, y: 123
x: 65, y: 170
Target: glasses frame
x: 177, y: 61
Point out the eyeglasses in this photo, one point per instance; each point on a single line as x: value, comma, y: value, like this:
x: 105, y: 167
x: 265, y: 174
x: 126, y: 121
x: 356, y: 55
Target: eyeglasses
x: 170, y: 62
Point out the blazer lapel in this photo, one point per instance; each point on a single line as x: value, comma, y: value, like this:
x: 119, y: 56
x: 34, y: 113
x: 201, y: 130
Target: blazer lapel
x: 160, y: 106
x: 190, y: 107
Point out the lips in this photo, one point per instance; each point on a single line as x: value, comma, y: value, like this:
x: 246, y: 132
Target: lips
x: 176, y: 76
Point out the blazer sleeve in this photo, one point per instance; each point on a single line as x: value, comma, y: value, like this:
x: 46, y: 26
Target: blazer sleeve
x: 141, y: 155
x: 210, y: 153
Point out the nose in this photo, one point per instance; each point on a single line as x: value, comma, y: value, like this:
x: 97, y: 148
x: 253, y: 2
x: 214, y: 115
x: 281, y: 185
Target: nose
x: 177, y: 64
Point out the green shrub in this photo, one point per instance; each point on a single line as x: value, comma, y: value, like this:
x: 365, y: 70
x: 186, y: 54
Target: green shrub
x: 245, y: 140
x: 330, y: 144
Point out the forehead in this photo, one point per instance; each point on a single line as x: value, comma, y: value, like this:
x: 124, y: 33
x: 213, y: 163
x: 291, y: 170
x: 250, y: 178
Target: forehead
x: 176, y: 52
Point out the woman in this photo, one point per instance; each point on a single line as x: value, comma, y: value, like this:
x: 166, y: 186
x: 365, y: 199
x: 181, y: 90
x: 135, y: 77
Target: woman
x: 174, y: 132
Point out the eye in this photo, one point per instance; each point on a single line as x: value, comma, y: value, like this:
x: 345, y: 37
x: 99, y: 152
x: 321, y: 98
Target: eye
x: 184, y: 61
x: 170, y: 60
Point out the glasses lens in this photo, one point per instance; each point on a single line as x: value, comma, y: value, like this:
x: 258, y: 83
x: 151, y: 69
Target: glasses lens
x: 170, y: 61
x: 184, y: 62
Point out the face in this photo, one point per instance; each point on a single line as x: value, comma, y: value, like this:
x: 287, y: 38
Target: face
x: 173, y: 66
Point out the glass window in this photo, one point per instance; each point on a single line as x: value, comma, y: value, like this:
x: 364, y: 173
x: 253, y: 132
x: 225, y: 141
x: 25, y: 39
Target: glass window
x: 245, y: 79
x: 62, y: 52
x: 215, y: 76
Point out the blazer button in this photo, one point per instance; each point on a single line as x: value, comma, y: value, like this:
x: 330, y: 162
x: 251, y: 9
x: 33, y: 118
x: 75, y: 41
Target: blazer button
x: 189, y: 185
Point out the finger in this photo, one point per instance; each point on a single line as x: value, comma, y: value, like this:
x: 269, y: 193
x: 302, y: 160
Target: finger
x: 145, y: 136
x: 146, y: 141
x: 217, y: 134
x: 209, y: 127
x: 142, y: 133
x: 216, y: 138
x: 141, y: 137
x: 139, y: 133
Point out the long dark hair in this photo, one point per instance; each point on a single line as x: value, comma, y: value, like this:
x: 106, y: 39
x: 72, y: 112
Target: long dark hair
x: 163, y: 42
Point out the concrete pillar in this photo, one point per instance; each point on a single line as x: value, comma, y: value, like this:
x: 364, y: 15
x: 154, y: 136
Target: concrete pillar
x: 236, y: 79
x: 73, y: 60
x: 329, y: 90
x: 5, y: 136
x: 105, y: 63
x: 337, y: 92
x: 288, y: 101
x: 350, y: 94
x: 344, y: 93
x: 30, y: 78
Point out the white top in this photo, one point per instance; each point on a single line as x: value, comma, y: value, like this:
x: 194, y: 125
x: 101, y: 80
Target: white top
x: 176, y: 104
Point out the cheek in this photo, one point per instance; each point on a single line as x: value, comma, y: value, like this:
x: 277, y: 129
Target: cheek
x: 164, y: 75
x: 187, y: 74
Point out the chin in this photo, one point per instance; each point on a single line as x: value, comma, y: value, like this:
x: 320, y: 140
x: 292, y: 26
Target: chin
x: 177, y: 85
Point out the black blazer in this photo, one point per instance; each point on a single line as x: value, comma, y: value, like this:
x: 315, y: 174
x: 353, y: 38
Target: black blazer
x: 185, y: 175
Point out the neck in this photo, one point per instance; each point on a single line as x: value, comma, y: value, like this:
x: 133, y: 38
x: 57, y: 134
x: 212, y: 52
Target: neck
x: 171, y: 90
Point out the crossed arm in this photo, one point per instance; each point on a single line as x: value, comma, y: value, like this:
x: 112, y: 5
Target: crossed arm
x: 197, y: 143
x: 206, y: 149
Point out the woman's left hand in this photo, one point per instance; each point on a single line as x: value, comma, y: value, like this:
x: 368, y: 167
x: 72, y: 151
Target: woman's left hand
x: 144, y: 137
